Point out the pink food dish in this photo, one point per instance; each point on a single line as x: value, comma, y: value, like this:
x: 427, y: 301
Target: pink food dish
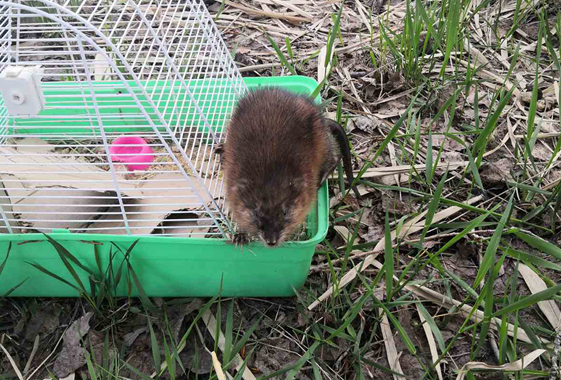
x: 133, y: 151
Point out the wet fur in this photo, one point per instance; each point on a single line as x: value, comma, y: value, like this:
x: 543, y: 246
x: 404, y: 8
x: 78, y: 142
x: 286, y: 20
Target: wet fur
x: 279, y: 149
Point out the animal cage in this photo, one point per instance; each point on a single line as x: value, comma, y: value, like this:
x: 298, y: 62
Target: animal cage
x: 110, y: 112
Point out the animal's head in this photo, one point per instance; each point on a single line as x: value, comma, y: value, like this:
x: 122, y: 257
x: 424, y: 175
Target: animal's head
x: 270, y: 223
x: 272, y: 213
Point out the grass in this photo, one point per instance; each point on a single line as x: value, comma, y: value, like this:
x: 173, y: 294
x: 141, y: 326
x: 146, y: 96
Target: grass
x: 441, y: 287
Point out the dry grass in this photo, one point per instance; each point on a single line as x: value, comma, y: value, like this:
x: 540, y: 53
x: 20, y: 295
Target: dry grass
x: 448, y: 266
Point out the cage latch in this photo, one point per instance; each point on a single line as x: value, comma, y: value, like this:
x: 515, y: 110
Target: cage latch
x: 20, y: 87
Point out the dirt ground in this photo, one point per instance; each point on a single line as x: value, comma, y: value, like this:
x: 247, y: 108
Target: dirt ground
x: 66, y: 338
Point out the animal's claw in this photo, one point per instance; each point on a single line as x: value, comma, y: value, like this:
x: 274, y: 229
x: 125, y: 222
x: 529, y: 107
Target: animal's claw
x: 219, y: 149
x: 240, y: 239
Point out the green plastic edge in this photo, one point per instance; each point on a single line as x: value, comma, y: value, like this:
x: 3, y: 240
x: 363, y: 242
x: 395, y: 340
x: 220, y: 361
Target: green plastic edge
x: 288, y: 265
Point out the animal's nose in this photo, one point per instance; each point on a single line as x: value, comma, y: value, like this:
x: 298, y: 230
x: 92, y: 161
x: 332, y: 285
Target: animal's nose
x: 271, y: 242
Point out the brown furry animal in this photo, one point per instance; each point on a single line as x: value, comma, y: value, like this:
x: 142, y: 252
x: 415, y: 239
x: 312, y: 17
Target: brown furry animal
x: 278, y: 151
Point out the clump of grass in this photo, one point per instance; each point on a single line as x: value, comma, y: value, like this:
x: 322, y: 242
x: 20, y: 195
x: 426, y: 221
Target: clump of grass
x: 402, y: 286
x: 11, y: 290
x: 101, y: 288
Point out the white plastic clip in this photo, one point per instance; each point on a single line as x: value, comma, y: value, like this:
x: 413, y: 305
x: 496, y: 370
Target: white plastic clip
x: 20, y: 87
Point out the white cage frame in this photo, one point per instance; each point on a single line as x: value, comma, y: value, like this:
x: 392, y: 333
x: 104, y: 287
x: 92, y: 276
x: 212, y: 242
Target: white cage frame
x: 154, y: 65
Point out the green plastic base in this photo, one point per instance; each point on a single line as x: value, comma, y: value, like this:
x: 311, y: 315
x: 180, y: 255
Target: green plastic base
x: 167, y: 266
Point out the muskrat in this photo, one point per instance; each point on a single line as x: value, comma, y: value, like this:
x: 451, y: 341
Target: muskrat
x: 279, y: 150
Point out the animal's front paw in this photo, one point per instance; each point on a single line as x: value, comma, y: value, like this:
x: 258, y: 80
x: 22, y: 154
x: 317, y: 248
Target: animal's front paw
x: 219, y: 149
x: 240, y: 239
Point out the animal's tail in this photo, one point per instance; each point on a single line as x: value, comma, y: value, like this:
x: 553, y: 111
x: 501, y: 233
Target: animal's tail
x: 339, y: 133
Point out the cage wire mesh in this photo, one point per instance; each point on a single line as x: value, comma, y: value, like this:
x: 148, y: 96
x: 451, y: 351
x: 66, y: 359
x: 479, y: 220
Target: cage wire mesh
x: 103, y: 70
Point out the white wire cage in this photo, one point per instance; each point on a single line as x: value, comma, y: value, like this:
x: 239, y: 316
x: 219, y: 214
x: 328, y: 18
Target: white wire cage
x: 77, y: 75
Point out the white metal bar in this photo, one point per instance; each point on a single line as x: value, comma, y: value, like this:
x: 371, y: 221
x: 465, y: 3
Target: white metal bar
x: 105, y: 143
x: 152, y: 90
x: 3, y: 213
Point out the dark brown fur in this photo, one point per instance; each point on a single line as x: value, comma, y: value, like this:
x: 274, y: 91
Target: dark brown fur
x: 279, y: 149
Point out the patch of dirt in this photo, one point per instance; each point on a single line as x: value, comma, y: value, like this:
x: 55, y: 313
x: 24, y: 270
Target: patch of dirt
x: 497, y: 173
x: 376, y: 90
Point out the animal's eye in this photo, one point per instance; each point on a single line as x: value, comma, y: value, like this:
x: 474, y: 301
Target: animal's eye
x: 285, y: 211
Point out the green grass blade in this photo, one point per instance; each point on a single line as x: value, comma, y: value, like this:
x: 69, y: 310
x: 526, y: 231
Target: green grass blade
x: 220, y: 10
x: 429, y: 23
x: 65, y: 256
x: 402, y: 333
x: 488, y: 257
x: 531, y: 300
x: 144, y: 299
x: 333, y: 35
x: 228, y: 333
x: 48, y: 272
x: 433, y: 205
x: 308, y: 355
x: 531, y: 333
x: 318, y: 88
x: 281, y: 56
x: 289, y: 48
x: 245, y: 337
x: 428, y: 161
x: 489, y: 295
x: 130, y: 249
x: 91, y: 367
x: 474, y: 224
x: 356, y: 308
x: 154, y: 345
x: 240, y: 372
x: 534, y: 99
x: 416, y: 121
x: 381, y: 368
x: 105, y: 354
x: 388, y: 257
x: 434, y: 328
x: 170, y: 361
x: 476, y: 107
x: 474, y: 170
x: 97, y: 256
x: 481, y: 142
x: 539, y: 244
x: 315, y: 370
x: 452, y: 31
x: 556, y: 60
x: 464, y: 285
x: 348, y: 216
x: 529, y: 188
x: 134, y: 370
x: 6, y: 258
x: 64, y: 252
x: 13, y: 288
x: 300, y: 363
x: 532, y: 259
x: 393, y: 320
x: 557, y: 207
x: 202, y: 311
x: 218, y: 324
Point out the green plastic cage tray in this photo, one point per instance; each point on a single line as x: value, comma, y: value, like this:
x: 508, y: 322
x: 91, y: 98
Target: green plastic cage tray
x: 166, y: 266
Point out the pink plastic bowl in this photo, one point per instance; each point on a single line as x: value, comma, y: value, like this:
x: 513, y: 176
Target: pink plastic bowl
x: 134, y: 152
